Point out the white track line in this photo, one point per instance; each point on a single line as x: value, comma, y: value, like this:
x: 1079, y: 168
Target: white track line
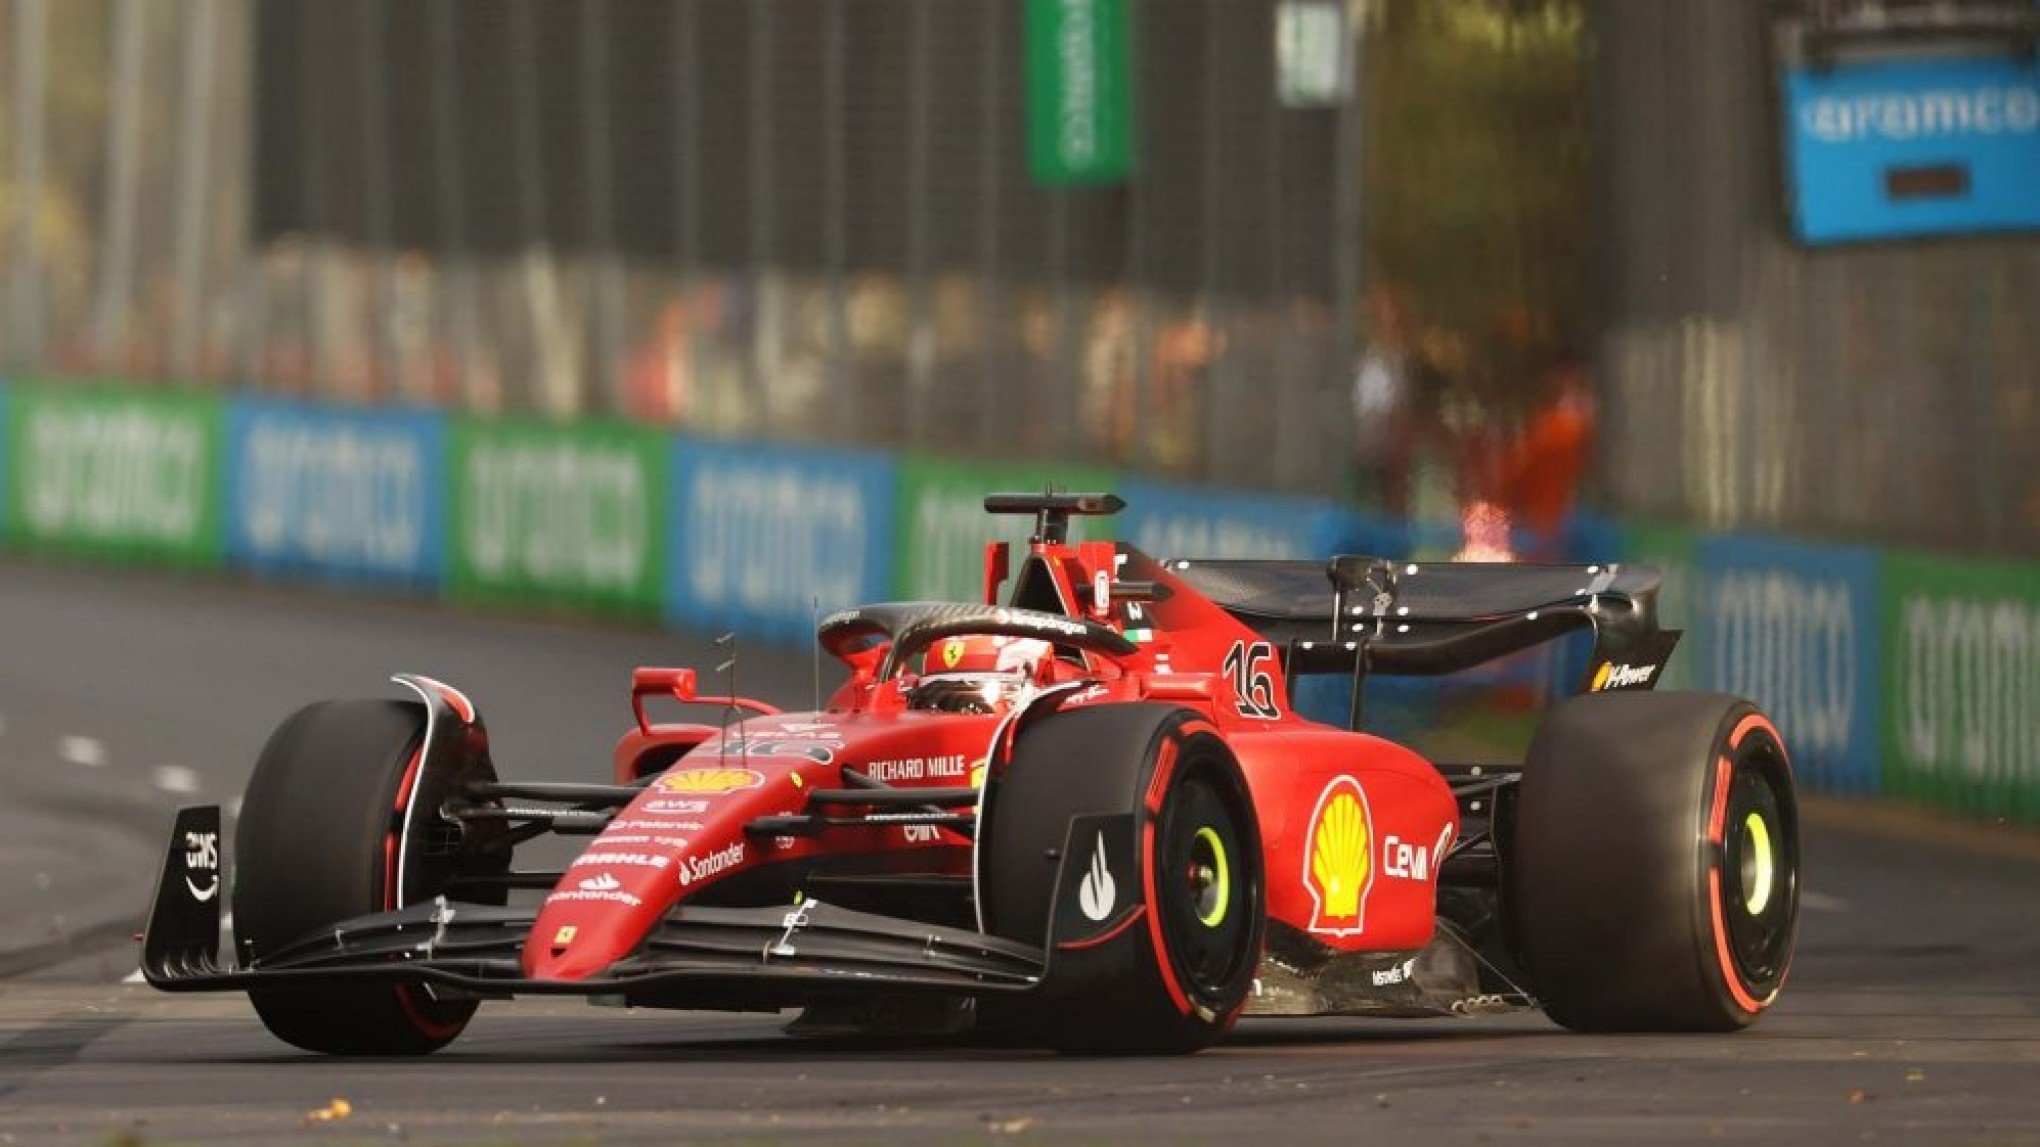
x: 175, y: 779
x: 83, y: 751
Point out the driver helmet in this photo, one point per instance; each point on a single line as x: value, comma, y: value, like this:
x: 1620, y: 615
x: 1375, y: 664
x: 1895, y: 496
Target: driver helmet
x: 977, y: 674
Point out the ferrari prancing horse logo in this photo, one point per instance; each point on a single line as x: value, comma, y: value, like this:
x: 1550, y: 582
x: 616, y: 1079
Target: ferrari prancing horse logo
x: 1337, y: 869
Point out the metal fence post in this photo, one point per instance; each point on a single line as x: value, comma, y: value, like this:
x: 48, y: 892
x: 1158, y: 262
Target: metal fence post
x: 920, y: 332
x: 603, y: 256
x: 762, y: 370
x: 841, y: 379
x: 378, y: 326
x: 123, y: 154
x: 194, y: 163
x: 450, y: 201
x: 31, y: 87
x: 992, y: 287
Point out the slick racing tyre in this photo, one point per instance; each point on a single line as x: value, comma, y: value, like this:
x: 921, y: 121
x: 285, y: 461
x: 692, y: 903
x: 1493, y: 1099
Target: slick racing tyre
x: 1653, y: 875
x: 318, y: 842
x: 1123, y: 838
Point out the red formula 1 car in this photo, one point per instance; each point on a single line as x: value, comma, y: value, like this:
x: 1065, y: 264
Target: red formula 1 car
x: 1088, y: 817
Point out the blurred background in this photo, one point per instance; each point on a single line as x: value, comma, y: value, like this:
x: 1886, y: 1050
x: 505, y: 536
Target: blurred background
x: 725, y: 311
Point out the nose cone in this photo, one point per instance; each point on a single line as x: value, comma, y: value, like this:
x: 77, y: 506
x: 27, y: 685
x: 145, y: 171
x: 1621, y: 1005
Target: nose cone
x: 683, y: 832
x: 599, y: 911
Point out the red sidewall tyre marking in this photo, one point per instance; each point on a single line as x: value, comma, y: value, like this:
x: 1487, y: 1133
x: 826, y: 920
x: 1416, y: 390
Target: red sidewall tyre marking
x: 1161, y: 946
x: 1717, y: 831
x: 1109, y: 935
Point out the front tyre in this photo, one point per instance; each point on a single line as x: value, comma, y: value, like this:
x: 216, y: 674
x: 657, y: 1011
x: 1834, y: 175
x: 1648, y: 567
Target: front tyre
x: 318, y: 842
x: 1654, y: 871
x: 1168, y: 967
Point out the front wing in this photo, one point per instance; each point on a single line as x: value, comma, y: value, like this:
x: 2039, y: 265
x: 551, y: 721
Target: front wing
x: 764, y: 957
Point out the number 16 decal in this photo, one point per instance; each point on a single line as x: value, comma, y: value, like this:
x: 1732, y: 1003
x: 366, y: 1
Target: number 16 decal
x: 1253, y: 687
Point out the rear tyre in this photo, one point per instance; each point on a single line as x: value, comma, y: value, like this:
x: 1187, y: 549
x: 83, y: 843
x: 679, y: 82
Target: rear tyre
x: 317, y: 843
x: 1653, y: 877
x: 1171, y: 973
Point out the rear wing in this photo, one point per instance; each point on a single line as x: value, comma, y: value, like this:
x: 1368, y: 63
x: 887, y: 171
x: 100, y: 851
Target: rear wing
x: 1371, y: 615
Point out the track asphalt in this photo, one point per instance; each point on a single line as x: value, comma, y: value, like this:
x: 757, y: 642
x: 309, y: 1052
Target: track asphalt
x: 1913, y: 1015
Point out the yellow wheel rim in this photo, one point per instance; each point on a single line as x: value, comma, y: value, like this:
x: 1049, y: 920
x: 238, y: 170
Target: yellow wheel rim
x: 1764, y: 874
x: 1221, y: 878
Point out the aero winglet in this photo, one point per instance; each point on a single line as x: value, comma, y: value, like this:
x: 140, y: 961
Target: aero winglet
x: 183, y: 936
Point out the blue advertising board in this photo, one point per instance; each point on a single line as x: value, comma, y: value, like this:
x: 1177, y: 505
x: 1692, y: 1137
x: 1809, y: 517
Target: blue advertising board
x: 1166, y: 520
x: 1891, y: 149
x: 349, y: 495
x: 1795, y: 628
x: 766, y: 537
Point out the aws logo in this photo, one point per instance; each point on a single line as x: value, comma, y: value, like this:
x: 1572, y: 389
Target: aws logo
x: 1338, y: 869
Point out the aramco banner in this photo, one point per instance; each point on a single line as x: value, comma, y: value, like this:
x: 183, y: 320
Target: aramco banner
x: 120, y: 474
x: 1794, y: 627
x: 765, y: 538
x: 567, y: 513
x: 347, y: 494
x: 1962, y: 684
x: 1901, y: 148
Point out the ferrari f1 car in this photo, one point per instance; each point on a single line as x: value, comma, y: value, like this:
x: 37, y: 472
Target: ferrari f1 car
x: 1086, y: 816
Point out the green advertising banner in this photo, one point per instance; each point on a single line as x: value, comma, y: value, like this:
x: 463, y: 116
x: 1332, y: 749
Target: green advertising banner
x: 568, y: 513
x: 1079, y: 92
x: 942, y: 524
x: 117, y: 474
x: 1962, y: 684
x: 1673, y: 551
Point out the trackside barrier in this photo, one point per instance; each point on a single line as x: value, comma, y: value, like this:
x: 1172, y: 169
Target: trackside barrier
x: 764, y: 537
x: 121, y: 475
x: 557, y: 513
x: 1795, y: 628
x: 5, y: 444
x: 1962, y: 684
x: 1912, y: 676
x: 343, y: 494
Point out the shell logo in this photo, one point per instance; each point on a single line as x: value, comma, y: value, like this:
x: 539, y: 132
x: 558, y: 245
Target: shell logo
x: 710, y: 780
x: 1337, y: 869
